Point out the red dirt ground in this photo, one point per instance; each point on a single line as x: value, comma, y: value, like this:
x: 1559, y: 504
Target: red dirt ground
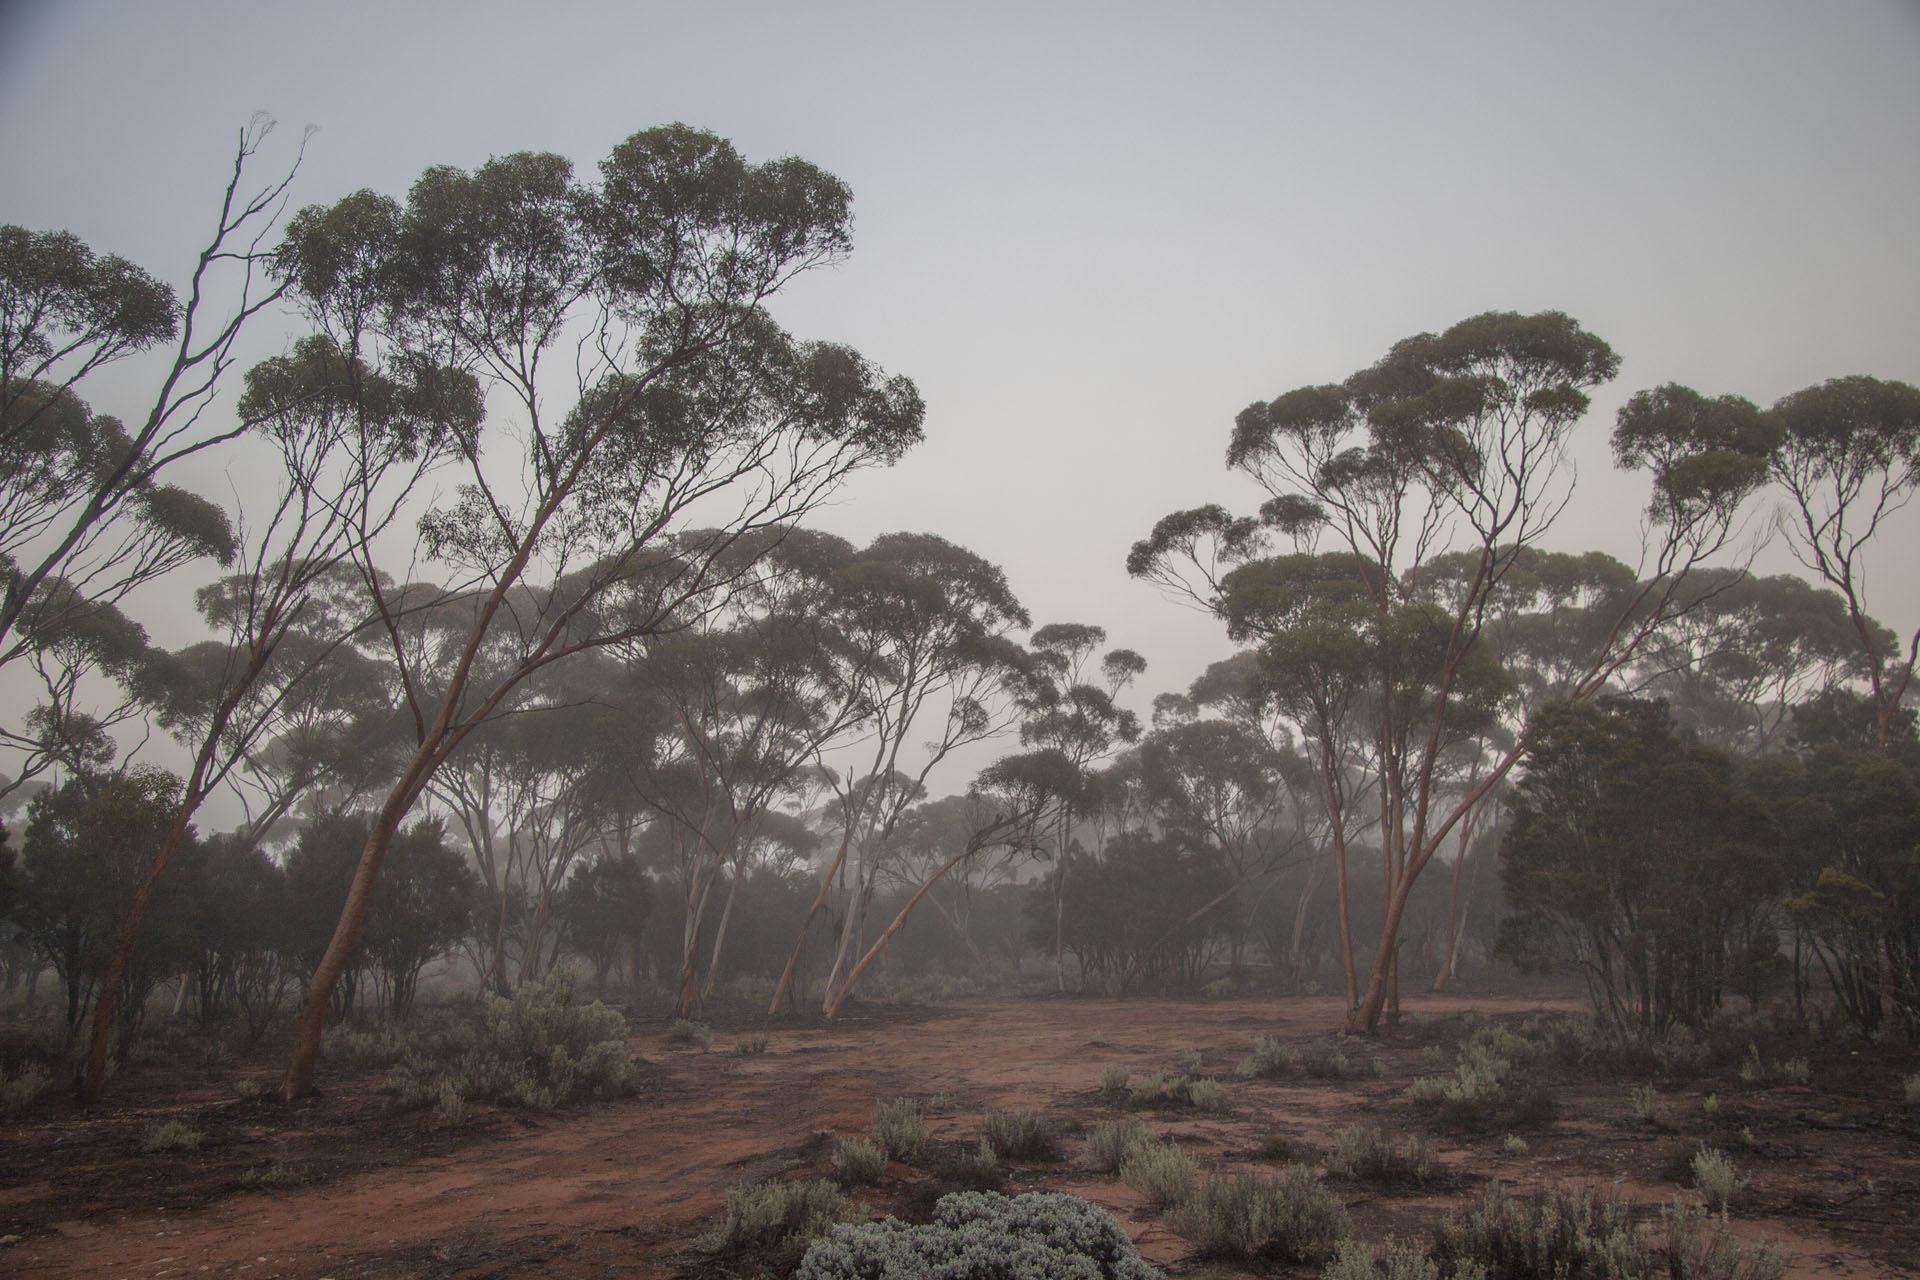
x: 625, y: 1189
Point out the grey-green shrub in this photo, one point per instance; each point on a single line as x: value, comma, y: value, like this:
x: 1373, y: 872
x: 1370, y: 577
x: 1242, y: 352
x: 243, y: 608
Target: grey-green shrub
x: 982, y: 1235
x: 857, y: 1160
x: 1703, y: 1247
x: 1160, y: 1171
x: 1204, y: 1094
x: 1716, y: 1178
x: 537, y: 1050
x: 1562, y: 1233
x: 1363, y: 1152
x: 1397, y: 1261
x: 899, y: 1129
x: 1286, y: 1218
x: 24, y: 1088
x: 697, y: 1034
x: 1114, y: 1079
x: 1110, y: 1142
x: 170, y: 1135
x: 1019, y: 1135
x: 775, y: 1213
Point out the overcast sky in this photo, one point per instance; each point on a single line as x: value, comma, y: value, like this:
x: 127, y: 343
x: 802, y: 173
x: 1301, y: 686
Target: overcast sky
x: 1094, y: 232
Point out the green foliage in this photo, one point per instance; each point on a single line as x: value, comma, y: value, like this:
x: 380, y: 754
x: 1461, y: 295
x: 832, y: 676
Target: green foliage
x: 1161, y: 1171
x: 1272, y: 1057
x: 900, y: 1129
x: 697, y: 1034
x: 1396, y: 1262
x: 856, y: 1161
x: 1715, y: 1178
x: 1110, y: 1142
x: 1564, y: 1234
x: 277, y: 1174
x: 1636, y: 859
x: 1019, y: 1135
x: 1133, y: 917
x: 1362, y: 1152
x: 1644, y: 1103
x: 1287, y: 1218
x: 21, y: 1089
x: 778, y: 1213
x: 1114, y: 1079
x: 983, y: 1236
x: 170, y: 1135
x: 1150, y: 1092
x: 1703, y: 1247
x: 1204, y: 1094
x: 537, y: 1050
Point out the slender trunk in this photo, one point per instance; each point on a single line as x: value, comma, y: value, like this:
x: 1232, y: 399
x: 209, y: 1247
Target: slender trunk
x: 720, y: 936
x: 782, y: 988
x: 305, y: 1056
x: 1445, y: 975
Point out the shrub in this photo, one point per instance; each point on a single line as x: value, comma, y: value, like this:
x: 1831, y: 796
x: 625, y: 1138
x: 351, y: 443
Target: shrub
x: 380, y: 1044
x: 170, y: 1135
x: 752, y: 1047
x: 1019, y: 1135
x: 249, y: 1089
x: 1701, y: 1247
x: 1114, y: 1079
x: 1356, y: 1261
x: 1111, y: 1141
x: 1191, y: 1061
x: 537, y: 1050
x: 776, y: 1213
x: 24, y: 1088
x: 277, y: 1174
x: 1514, y: 1145
x: 1204, y: 1094
x: 1643, y: 1102
x: 857, y: 1160
x: 1910, y: 1090
x: 1362, y: 1152
x: 1277, y: 1147
x: 1149, y: 1092
x: 899, y: 1129
x: 1715, y: 1178
x: 697, y: 1034
x: 978, y: 1234
x: 1271, y: 1057
x: 1289, y: 1218
x: 1332, y: 1065
x: 1161, y: 1172
x: 1563, y: 1233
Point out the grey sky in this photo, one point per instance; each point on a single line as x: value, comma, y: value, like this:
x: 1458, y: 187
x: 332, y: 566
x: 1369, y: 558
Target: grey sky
x: 1094, y: 232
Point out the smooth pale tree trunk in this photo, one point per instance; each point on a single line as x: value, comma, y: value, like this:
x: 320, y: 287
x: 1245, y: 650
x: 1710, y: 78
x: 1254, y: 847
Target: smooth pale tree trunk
x: 782, y: 989
x: 720, y: 936
x: 1452, y: 954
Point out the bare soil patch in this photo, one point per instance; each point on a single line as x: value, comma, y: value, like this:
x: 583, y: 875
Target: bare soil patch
x: 339, y: 1187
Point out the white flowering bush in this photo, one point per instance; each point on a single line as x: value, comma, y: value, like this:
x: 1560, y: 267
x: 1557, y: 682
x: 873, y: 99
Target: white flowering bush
x: 981, y: 1236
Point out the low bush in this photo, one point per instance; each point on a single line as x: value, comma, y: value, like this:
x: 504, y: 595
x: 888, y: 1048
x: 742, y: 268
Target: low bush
x: 777, y: 1213
x: 856, y: 1161
x: 1160, y: 1171
x: 170, y: 1135
x: 1715, y: 1177
x: 1115, y: 1079
x: 1363, y: 1153
x: 900, y: 1129
x: 1019, y: 1135
x: 537, y: 1050
x: 752, y: 1046
x: 1910, y: 1090
x: 1271, y: 1057
x: 1703, y: 1247
x: 25, y: 1087
x: 1357, y: 1261
x: 1110, y: 1142
x: 978, y: 1234
x: 277, y: 1174
x: 1204, y: 1094
x: 1287, y: 1218
x: 697, y: 1034
x: 1563, y: 1234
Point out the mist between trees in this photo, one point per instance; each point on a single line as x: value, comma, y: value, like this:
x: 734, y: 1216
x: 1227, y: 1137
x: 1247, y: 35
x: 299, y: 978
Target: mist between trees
x: 612, y: 703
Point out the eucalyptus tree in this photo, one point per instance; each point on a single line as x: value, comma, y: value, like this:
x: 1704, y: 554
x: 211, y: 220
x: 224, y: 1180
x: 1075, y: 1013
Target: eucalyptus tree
x: 1454, y: 442
x: 623, y: 326
x: 1849, y: 457
x: 351, y: 444
x: 85, y: 514
x: 1072, y: 711
x: 745, y: 701
x: 924, y: 651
